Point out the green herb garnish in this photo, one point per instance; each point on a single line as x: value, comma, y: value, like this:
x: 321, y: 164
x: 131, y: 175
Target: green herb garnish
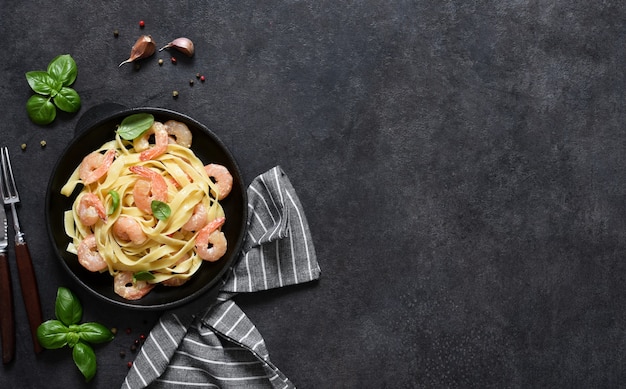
x: 143, y: 276
x: 115, y: 201
x: 160, y: 210
x: 134, y: 125
x: 53, y: 90
x: 65, y: 331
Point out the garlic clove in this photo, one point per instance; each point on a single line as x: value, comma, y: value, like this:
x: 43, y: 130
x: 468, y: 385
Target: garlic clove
x: 143, y: 48
x: 182, y: 44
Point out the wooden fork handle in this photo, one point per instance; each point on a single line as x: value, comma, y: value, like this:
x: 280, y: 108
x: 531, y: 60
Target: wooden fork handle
x: 7, y: 321
x: 30, y: 291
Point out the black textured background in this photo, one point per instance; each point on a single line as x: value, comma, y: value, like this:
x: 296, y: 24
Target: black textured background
x: 461, y: 165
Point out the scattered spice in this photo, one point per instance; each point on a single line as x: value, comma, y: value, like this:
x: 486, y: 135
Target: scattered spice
x: 202, y: 78
x: 191, y: 82
x: 142, y: 24
x: 160, y: 61
x: 43, y: 143
x: 23, y: 146
x: 173, y: 59
x: 198, y: 76
x: 116, y: 33
x: 122, y: 354
x: 129, y: 364
x: 114, y: 330
x: 175, y: 94
x: 144, y: 47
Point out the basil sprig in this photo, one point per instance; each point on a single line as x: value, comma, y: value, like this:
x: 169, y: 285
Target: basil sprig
x: 66, y: 331
x: 134, y: 125
x: 52, y: 88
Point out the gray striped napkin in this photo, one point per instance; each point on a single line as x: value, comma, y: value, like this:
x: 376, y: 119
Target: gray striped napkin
x: 219, y: 347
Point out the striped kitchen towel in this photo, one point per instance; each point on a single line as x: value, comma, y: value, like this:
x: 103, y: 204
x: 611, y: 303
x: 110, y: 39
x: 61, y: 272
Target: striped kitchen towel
x: 219, y: 347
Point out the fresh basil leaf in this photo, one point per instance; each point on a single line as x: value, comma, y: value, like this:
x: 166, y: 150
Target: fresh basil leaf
x: 52, y: 334
x: 115, y: 201
x: 143, y: 276
x: 63, y: 69
x: 42, y: 83
x: 85, y: 360
x: 94, y: 333
x: 134, y: 125
x: 67, y: 307
x: 40, y: 109
x: 160, y: 210
x: 67, y: 100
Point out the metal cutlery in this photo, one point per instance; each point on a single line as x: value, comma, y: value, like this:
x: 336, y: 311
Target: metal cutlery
x: 7, y: 321
x: 26, y: 272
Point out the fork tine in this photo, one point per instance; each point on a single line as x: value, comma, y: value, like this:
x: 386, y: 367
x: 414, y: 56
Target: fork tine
x: 9, y: 179
x: 3, y: 175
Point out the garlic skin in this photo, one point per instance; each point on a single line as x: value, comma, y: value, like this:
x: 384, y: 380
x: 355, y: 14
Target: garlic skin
x: 182, y: 44
x: 144, y: 47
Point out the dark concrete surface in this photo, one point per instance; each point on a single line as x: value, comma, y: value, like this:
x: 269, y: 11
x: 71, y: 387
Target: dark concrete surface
x: 461, y: 163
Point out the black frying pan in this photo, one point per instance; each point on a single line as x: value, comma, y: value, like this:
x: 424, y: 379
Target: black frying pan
x: 96, y: 127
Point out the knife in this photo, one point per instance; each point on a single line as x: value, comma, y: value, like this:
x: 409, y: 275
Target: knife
x: 7, y: 321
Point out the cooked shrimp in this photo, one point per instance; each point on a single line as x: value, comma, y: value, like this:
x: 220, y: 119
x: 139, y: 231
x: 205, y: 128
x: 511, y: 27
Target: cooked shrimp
x: 142, y: 142
x: 160, y: 140
x: 222, y: 177
x: 129, y: 230
x: 126, y: 287
x: 178, y: 133
x: 88, y: 255
x: 198, y: 219
x: 95, y: 165
x: 211, y: 243
x: 90, y: 210
x: 151, y: 186
x: 175, y: 281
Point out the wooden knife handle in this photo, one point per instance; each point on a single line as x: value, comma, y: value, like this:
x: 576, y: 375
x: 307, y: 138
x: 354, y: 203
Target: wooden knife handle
x: 30, y: 291
x: 7, y: 321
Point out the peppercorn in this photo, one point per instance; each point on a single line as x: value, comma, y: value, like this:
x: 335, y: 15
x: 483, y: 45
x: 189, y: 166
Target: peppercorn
x: 43, y: 143
x: 142, y: 24
x: 129, y: 364
x: 175, y: 94
x: 202, y: 78
x: 23, y: 146
x: 133, y: 348
x: 160, y: 61
x: 198, y: 76
x: 116, y: 33
x: 191, y: 82
x: 122, y: 354
x: 114, y: 330
x: 173, y: 59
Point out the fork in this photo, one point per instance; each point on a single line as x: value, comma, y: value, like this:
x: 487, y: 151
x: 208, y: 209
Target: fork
x: 26, y: 272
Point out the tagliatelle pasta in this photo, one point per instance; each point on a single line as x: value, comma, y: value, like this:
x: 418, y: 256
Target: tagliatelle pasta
x: 144, y: 246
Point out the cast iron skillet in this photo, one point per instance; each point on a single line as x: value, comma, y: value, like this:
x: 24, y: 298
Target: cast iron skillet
x: 96, y: 127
